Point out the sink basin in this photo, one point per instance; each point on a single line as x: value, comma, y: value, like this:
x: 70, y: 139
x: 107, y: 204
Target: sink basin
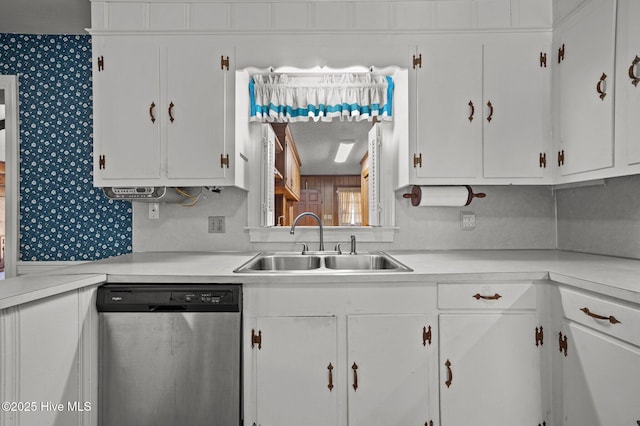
x: 321, y: 262
x: 363, y: 262
x: 281, y: 262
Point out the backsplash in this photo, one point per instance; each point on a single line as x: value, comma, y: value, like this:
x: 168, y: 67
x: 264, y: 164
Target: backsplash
x: 511, y: 217
x: 62, y: 216
x: 602, y: 219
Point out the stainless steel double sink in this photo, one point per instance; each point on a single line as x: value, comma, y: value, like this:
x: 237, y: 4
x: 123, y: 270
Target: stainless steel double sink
x: 322, y: 262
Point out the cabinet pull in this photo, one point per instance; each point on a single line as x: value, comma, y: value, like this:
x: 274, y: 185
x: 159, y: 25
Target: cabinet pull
x: 151, y: 108
x: 632, y: 75
x: 330, y: 385
x: 478, y: 296
x: 449, y: 374
x: 171, y: 105
x: 490, y: 116
x: 601, y: 92
x: 473, y: 111
x: 610, y: 318
x: 354, y: 367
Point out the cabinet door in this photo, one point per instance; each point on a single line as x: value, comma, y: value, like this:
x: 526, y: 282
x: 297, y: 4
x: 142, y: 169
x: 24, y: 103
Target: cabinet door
x: 388, y: 362
x: 195, y: 100
x: 489, y: 370
x: 518, y: 89
x: 600, y: 380
x: 449, y: 109
x: 586, y: 118
x: 629, y: 12
x: 127, y: 110
x: 293, y: 374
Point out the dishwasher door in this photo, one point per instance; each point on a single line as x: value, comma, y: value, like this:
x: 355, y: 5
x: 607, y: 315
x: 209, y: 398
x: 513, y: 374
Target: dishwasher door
x: 168, y: 366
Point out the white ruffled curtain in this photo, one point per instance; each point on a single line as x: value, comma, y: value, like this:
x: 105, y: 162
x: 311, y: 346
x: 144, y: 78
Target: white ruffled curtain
x: 286, y: 98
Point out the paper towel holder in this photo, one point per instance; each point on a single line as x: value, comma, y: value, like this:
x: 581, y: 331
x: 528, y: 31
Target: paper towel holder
x: 416, y: 195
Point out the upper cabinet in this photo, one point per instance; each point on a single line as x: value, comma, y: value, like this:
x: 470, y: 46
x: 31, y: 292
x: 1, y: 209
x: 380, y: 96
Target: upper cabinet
x: 584, y: 50
x: 163, y: 112
x: 628, y: 75
x: 481, y: 110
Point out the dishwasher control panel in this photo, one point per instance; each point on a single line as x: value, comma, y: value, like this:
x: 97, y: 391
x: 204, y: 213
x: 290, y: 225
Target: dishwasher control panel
x: 169, y: 298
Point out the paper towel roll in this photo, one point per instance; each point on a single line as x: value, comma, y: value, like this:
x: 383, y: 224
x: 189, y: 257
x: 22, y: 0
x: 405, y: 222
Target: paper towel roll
x: 442, y: 196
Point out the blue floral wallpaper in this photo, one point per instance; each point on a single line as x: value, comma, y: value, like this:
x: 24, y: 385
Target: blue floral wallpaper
x: 62, y: 216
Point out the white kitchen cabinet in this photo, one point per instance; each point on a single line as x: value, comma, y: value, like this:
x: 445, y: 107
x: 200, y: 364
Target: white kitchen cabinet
x: 297, y: 370
x: 162, y: 112
x: 628, y: 78
x: 600, y: 379
x: 378, y: 339
x: 490, y: 358
x: 388, y: 369
x: 584, y: 50
x: 600, y: 354
x: 48, y: 362
x: 296, y: 365
x: 482, y: 110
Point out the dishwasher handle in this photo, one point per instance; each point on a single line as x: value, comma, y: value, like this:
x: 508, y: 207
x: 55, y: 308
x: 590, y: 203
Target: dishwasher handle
x: 167, y: 308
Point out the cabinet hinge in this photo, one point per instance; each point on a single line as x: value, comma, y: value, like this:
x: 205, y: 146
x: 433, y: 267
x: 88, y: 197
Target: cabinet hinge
x: 539, y: 336
x: 417, y: 160
x: 256, y: 339
x: 429, y: 423
x: 561, y: 158
x: 562, y: 342
x: 417, y: 61
x: 543, y: 160
x: 426, y: 336
x: 561, y: 53
x: 542, y: 424
x: 224, y: 160
x: 543, y: 60
x: 101, y: 162
x: 100, y: 63
x: 224, y: 63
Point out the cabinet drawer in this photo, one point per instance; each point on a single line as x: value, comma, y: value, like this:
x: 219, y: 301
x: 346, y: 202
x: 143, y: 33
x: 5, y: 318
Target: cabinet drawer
x: 604, y: 315
x: 487, y: 296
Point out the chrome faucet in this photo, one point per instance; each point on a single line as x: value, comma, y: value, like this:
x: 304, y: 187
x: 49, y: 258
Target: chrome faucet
x: 315, y: 216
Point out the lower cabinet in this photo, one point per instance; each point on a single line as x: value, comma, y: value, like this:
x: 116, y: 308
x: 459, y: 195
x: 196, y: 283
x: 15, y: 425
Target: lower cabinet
x: 599, y: 347
x: 491, y: 347
x: 489, y: 369
x: 296, y: 363
x: 600, y: 379
x: 387, y: 369
x: 300, y: 378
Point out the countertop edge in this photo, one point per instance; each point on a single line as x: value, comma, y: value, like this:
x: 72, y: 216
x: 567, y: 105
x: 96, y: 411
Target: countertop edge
x: 40, y: 287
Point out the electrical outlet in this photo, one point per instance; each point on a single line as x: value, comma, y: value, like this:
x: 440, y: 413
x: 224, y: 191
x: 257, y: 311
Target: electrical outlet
x: 467, y: 221
x: 154, y: 211
x: 216, y: 224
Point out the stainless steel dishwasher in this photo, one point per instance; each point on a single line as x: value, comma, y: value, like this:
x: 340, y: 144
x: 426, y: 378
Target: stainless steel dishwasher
x: 169, y: 354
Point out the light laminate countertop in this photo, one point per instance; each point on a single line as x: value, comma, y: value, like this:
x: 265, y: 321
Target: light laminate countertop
x: 610, y: 276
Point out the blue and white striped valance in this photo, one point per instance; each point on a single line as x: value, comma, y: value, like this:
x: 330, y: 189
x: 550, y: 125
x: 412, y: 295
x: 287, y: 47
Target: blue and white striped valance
x: 286, y: 98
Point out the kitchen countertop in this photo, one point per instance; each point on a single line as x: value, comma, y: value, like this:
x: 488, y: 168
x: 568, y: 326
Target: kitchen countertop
x: 611, y: 276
